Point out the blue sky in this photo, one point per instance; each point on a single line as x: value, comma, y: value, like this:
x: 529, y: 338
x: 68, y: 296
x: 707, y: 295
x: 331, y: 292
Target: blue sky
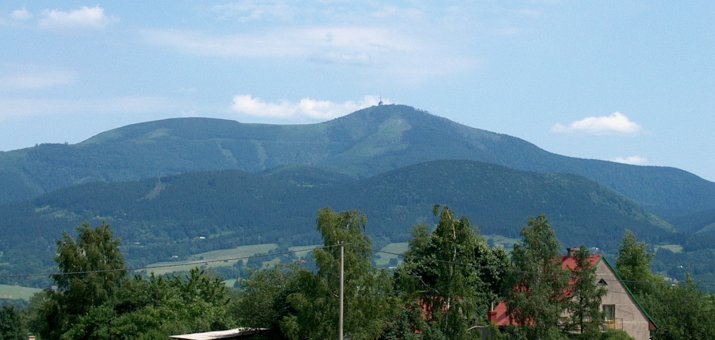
x: 629, y: 81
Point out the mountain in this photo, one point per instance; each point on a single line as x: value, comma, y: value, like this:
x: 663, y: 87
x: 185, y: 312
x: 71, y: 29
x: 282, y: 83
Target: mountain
x: 362, y: 144
x: 159, y: 218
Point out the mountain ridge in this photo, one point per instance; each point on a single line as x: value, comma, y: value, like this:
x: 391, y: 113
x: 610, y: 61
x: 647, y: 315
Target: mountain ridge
x: 361, y: 144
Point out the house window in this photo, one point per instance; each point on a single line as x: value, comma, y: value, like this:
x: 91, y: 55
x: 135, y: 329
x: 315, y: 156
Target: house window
x: 609, y: 312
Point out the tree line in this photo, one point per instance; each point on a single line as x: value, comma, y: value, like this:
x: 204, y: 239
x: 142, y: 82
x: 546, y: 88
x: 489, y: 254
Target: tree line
x: 444, y: 288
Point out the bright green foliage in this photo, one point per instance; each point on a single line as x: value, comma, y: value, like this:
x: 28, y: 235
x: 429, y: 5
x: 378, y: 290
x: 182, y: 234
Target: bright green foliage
x: 452, y: 274
x: 92, y: 272
x: 12, y: 326
x: 536, y: 284
x: 96, y: 299
x: 633, y: 264
x: 584, y: 305
x: 159, y: 307
x: 368, y: 305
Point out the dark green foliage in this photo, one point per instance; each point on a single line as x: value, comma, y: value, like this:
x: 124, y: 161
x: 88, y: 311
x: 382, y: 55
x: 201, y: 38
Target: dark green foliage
x: 261, y: 302
x: 96, y: 299
x: 452, y: 274
x: 613, y: 334
x: 92, y: 271
x: 535, y: 287
x: 368, y: 302
x: 163, y: 217
x: 12, y: 326
x: 585, y: 303
x: 157, y: 308
x: 682, y: 311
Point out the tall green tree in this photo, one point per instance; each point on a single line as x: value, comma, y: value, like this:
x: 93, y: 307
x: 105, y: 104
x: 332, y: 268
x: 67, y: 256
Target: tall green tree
x: 682, y: 311
x: 633, y: 264
x: 584, y: 305
x: 536, y: 283
x: 95, y: 299
x: 451, y: 274
x: 91, y: 271
x: 368, y: 291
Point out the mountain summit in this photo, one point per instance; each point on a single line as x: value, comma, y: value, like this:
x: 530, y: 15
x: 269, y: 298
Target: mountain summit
x: 367, y: 142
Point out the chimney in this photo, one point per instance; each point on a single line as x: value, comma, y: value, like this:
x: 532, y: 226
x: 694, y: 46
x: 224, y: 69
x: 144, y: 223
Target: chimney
x: 572, y: 251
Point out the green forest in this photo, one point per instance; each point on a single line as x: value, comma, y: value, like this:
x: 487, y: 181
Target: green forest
x: 159, y: 218
x: 443, y: 288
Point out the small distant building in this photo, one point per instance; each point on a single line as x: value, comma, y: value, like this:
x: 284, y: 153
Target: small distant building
x: 621, y: 309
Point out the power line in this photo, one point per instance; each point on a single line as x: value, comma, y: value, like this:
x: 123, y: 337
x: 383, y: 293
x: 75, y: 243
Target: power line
x: 263, y: 255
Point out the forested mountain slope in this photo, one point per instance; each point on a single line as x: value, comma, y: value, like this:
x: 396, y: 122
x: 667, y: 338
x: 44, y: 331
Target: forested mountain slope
x: 158, y: 218
x: 362, y: 144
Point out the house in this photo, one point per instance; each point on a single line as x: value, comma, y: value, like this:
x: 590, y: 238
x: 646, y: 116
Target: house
x: 621, y: 309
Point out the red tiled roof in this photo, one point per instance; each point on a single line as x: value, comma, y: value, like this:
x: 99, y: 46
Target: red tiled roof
x: 569, y: 262
x: 500, y: 316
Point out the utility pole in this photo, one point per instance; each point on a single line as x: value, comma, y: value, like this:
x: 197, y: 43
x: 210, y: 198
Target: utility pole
x: 342, y: 277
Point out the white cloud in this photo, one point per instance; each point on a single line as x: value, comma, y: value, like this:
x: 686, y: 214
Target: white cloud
x: 82, y: 18
x: 247, y: 11
x: 307, y: 109
x: 386, y: 53
x: 21, y: 14
x: 36, y: 80
x: 21, y: 108
x: 305, y: 42
x: 616, y: 123
x: 633, y: 160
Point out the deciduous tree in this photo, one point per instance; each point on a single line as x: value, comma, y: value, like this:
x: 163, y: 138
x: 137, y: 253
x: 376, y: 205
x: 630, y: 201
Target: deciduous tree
x: 585, y: 303
x: 451, y: 274
x: 368, y: 302
x: 633, y: 264
x: 91, y: 271
x: 536, y: 283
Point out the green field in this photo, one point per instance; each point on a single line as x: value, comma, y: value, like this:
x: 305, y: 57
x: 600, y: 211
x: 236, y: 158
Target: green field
x: 302, y: 251
x: 17, y: 292
x: 675, y: 248
x: 229, y: 283
x: 502, y: 241
x: 383, y: 259
x: 211, y: 259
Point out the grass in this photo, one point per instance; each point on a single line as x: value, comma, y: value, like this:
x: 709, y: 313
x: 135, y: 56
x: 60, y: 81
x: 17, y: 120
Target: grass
x: 675, y: 248
x: 229, y: 283
x: 17, y: 292
x: 301, y: 251
x: 502, y: 241
x: 211, y: 259
x: 383, y: 259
